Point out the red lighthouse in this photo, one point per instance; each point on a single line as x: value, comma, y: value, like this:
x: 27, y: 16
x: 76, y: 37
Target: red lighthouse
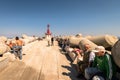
x: 48, y: 30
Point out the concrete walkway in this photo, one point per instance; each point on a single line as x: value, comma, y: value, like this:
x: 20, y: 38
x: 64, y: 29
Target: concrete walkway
x: 40, y: 62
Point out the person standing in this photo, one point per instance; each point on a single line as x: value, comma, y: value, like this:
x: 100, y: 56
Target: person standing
x: 18, y: 47
x: 52, y: 41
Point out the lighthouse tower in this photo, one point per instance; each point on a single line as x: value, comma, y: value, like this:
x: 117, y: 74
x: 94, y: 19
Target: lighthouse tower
x: 48, y: 33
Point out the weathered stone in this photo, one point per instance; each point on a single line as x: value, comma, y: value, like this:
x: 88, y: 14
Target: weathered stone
x: 105, y: 40
x: 116, y: 52
x: 86, y: 41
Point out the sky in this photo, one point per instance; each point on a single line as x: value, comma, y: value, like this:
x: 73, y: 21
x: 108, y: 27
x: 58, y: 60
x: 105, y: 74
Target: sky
x: 65, y: 17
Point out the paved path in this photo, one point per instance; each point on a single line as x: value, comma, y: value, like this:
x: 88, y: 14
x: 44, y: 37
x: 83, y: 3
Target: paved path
x: 40, y: 62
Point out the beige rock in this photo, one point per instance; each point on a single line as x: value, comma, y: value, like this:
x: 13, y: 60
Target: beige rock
x: 3, y: 48
x: 116, y: 52
x: 105, y: 40
x: 74, y: 41
x: 86, y: 41
x: 3, y: 39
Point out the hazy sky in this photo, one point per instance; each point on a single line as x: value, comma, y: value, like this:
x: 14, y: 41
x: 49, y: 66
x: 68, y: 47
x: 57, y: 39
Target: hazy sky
x: 66, y: 17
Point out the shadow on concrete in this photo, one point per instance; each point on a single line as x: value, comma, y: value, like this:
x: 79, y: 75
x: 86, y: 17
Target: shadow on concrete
x: 73, y: 71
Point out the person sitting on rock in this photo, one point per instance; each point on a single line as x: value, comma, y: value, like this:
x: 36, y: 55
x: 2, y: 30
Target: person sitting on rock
x: 88, y: 57
x: 78, y: 53
x: 10, y: 46
x: 103, y: 67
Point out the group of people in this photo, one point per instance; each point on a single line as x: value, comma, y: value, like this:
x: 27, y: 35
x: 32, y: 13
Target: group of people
x: 16, y: 47
x: 87, y: 60
x: 63, y: 43
x: 95, y: 64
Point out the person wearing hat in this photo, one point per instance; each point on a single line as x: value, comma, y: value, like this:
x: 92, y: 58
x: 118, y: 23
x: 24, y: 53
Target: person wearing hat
x: 103, y: 66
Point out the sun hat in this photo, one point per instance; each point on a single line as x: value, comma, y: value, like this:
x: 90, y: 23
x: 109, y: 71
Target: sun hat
x: 99, y: 48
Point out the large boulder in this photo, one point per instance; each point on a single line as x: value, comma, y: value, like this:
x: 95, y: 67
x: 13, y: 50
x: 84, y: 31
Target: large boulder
x: 74, y: 41
x: 24, y: 36
x: 104, y: 40
x: 116, y: 52
x: 85, y: 41
x: 3, y: 48
x: 3, y: 39
x: 28, y: 39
